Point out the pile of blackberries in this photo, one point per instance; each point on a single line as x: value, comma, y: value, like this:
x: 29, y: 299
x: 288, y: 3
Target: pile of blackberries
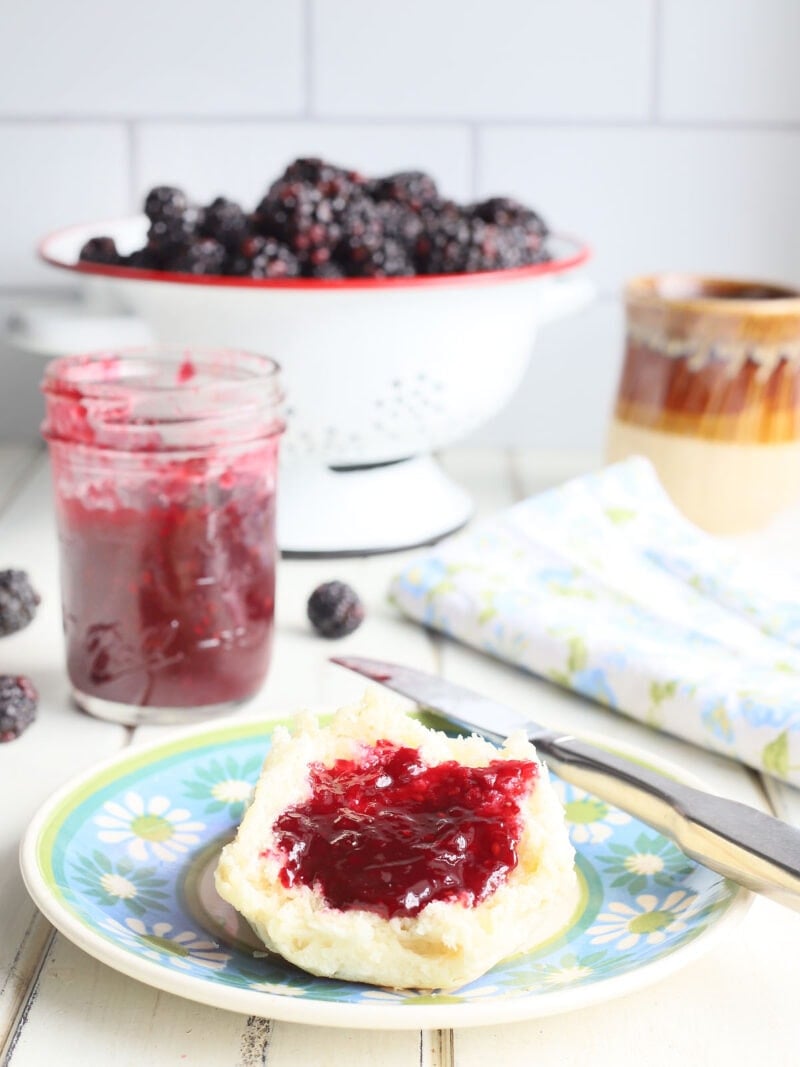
x: 322, y: 221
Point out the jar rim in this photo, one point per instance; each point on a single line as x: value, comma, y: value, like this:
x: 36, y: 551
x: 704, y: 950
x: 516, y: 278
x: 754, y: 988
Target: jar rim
x: 76, y: 370
x: 709, y: 292
x: 162, y: 398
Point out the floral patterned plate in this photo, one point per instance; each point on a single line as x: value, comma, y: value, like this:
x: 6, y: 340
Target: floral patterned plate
x: 121, y: 861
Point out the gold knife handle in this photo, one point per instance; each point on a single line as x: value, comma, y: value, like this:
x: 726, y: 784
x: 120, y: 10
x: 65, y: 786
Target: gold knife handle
x: 738, y: 841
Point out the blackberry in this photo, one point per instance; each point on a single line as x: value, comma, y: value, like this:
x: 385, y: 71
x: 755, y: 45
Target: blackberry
x: 303, y: 219
x: 262, y: 257
x: 225, y: 221
x: 165, y: 203
x: 100, y: 250
x: 330, y: 271
x: 390, y: 259
x: 413, y: 188
x: 309, y: 209
x: 18, y: 702
x: 205, y: 256
x: 492, y: 248
x: 169, y: 239
x: 327, y: 177
x: 400, y: 223
x: 18, y: 601
x: 360, y: 250
x: 334, y: 609
x: 142, y: 259
x: 528, y: 228
x: 443, y: 243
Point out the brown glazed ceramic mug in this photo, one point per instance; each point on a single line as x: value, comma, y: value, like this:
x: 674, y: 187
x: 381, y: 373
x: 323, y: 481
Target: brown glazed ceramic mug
x: 710, y: 393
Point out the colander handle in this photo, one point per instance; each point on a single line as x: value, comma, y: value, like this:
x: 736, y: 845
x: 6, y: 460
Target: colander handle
x: 58, y: 330
x: 565, y: 296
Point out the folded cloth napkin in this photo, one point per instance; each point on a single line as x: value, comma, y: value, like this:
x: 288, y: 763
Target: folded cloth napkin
x: 601, y: 586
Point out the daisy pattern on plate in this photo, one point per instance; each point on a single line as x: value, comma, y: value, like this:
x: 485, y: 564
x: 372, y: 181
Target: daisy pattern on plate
x: 148, y: 828
x: 590, y: 819
x: 648, y: 919
x: 136, y: 888
x: 278, y: 989
x: 567, y: 972
x: 160, y: 941
x: 649, y: 858
x: 225, y: 784
x: 576, y: 968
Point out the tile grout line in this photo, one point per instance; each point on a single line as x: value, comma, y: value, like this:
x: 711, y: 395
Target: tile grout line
x: 132, y: 134
x: 532, y: 122
x: 655, y: 64
x: 309, y: 82
x: 475, y: 168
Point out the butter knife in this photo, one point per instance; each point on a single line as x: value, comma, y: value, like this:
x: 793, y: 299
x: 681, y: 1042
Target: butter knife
x: 741, y: 843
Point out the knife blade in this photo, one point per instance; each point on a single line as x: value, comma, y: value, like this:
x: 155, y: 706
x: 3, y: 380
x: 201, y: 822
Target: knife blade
x: 746, y: 845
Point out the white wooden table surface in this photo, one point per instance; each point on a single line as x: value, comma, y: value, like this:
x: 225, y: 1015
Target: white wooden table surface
x: 737, y: 1005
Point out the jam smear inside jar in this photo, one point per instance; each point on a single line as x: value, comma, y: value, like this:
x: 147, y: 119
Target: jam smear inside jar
x: 388, y: 834
x: 165, y: 503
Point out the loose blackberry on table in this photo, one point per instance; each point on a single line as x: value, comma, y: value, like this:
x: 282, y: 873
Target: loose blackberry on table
x: 321, y: 220
x: 18, y: 601
x: 334, y: 609
x: 18, y: 703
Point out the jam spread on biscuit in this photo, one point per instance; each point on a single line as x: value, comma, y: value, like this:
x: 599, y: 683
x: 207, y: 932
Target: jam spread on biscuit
x: 389, y: 834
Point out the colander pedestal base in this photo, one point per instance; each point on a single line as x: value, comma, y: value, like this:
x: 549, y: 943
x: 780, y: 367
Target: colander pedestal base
x: 366, y: 510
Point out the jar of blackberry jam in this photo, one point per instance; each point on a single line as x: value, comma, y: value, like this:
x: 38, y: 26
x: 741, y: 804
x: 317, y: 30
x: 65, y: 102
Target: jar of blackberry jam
x: 164, y: 466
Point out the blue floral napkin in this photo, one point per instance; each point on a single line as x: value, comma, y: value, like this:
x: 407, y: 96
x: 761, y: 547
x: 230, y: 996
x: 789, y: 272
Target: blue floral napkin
x: 603, y: 587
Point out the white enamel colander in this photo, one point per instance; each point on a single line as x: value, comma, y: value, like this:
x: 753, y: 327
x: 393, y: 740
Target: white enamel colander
x: 379, y: 373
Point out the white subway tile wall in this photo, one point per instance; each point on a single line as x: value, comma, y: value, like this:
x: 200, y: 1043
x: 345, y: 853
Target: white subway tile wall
x: 664, y: 132
x: 53, y: 174
x: 180, y: 57
x: 731, y: 61
x: 558, y: 59
x: 649, y: 199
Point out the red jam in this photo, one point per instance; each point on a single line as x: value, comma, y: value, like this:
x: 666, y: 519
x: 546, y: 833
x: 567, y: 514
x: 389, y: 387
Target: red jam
x: 389, y: 834
x: 169, y: 600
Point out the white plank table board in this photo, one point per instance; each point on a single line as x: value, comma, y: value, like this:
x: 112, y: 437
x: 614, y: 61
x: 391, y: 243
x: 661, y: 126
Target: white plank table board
x: 60, y: 745
x: 58, y: 1005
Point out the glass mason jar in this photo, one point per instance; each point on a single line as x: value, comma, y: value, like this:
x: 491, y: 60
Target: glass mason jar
x: 164, y: 467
